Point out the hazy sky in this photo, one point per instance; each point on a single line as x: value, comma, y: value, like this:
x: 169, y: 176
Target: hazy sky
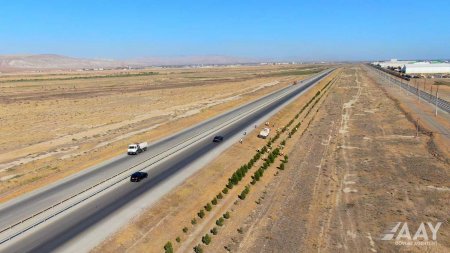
x: 306, y: 30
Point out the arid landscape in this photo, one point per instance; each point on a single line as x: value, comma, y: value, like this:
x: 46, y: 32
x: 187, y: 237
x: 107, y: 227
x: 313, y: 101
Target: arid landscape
x: 355, y: 166
x: 225, y: 126
x: 54, y: 125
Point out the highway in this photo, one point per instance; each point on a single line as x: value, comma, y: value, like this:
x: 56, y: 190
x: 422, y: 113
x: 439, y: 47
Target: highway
x: 52, y: 235
x: 431, y: 99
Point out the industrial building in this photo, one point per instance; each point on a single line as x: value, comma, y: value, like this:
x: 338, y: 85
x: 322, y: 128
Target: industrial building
x: 426, y: 68
x: 393, y: 63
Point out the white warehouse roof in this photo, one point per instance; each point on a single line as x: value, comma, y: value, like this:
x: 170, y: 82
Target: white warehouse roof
x: 393, y: 63
x: 426, y: 68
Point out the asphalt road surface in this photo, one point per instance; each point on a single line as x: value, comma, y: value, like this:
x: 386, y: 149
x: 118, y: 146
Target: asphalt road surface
x: 53, y: 235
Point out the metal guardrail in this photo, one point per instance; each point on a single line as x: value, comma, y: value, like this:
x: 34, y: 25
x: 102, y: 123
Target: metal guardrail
x: 216, y: 128
x: 442, y: 104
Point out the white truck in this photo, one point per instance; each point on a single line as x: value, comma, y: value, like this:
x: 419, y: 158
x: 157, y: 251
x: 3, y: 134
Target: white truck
x: 264, y: 133
x: 136, y: 148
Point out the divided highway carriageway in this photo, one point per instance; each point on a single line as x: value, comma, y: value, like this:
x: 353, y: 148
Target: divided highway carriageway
x: 48, y: 218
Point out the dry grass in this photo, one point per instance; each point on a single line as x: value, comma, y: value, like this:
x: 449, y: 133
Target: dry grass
x: 64, y: 125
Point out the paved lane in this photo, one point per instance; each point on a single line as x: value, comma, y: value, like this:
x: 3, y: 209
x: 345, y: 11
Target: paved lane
x: 62, y: 230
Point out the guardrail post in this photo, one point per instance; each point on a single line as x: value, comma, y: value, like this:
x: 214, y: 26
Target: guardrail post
x: 437, y: 98
x: 417, y: 127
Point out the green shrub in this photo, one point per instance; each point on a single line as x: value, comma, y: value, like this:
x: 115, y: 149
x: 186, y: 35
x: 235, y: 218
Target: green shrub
x: 225, y: 190
x: 239, y: 175
x: 201, y: 214
x: 185, y: 230
x: 208, y: 207
x: 281, y: 167
x: 214, y: 201
x: 214, y: 231
x: 198, y: 249
x: 219, y: 196
x: 219, y: 222
x: 244, y: 192
x: 226, y: 215
x: 206, y: 239
x: 178, y: 239
x: 257, y: 175
x: 168, y: 247
x: 193, y: 221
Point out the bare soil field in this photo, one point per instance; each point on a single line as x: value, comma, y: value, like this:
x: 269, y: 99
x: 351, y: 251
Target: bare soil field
x: 53, y: 125
x: 358, y: 170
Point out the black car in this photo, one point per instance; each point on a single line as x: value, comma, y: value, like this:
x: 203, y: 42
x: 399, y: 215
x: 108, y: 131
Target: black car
x: 138, y: 176
x: 218, y: 138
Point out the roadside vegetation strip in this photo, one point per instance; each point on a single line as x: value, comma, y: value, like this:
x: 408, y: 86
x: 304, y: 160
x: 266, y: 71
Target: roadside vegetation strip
x: 275, y: 153
x: 81, y: 77
x: 241, y: 172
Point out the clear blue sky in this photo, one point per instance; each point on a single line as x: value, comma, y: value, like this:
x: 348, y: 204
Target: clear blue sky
x: 308, y: 30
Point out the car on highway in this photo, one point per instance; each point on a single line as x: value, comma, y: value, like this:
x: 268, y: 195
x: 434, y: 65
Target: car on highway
x: 138, y: 176
x: 218, y: 138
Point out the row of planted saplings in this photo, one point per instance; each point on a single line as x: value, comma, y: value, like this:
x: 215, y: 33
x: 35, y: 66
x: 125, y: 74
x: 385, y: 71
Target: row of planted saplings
x: 240, y: 173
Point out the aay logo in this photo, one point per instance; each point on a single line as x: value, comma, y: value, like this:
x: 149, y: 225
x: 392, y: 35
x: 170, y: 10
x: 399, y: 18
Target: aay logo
x: 422, y: 235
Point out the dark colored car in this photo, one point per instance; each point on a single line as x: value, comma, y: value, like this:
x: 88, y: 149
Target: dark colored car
x: 218, y: 138
x: 138, y: 176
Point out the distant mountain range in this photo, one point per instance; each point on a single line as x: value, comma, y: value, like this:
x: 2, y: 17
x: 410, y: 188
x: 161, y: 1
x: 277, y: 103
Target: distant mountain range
x: 52, y: 61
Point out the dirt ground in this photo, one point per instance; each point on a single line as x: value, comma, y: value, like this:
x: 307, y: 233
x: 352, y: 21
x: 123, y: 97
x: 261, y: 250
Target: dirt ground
x: 54, y: 125
x: 166, y: 219
x: 430, y: 85
x: 358, y: 170
x: 423, y: 114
